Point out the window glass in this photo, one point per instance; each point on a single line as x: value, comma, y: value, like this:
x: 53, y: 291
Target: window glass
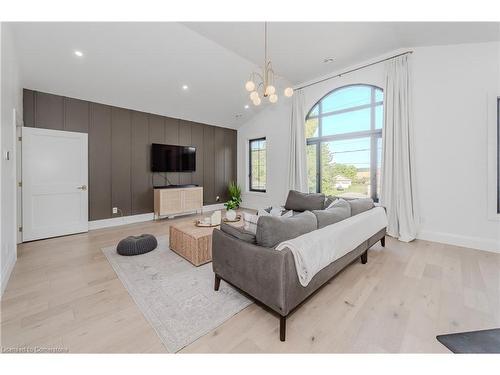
x: 345, y: 167
x: 312, y: 169
x: 257, y: 164
x: 379, y: 116
x: 348, y: 97
x: 347, y: 122
x: 312, y: 127
x: 340, y: 137
x: 314, y: 111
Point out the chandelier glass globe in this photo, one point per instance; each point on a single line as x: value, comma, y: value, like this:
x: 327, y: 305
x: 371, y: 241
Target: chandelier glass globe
x: 288, y: 92
x: 270, y: 89
x: 273, y: 98
x: 257, y: 101
x: 250, y: 86
x: 254, y: 95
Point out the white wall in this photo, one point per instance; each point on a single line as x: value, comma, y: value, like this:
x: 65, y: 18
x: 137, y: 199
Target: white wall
x: 272, y: 123
x: 11, y: 98
x: 453, y: 86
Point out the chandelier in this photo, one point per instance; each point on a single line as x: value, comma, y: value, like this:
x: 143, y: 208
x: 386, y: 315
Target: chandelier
x: 263, y: 85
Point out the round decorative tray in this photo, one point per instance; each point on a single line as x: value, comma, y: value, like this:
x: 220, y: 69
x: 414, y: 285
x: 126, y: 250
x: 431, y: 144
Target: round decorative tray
x: 238, y: 218
x: 203, y: 225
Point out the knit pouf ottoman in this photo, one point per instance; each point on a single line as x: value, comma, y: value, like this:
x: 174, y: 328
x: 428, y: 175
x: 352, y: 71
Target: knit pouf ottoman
x: 135, y: 245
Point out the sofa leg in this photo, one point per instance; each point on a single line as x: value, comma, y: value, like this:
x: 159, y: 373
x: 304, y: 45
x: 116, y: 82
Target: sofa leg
x: 364, y: 257
x: 217, y: 282
x: 382, y: 241
x: 282, y: 328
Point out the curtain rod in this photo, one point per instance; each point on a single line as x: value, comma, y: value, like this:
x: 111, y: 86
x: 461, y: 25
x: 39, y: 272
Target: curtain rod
x: 352, y: 70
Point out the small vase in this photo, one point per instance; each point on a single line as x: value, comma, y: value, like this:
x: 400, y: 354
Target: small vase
x: 231, y: 215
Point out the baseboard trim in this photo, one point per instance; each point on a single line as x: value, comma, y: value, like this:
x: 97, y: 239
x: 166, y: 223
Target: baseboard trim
x: 122, y: 220
x: 464, y: 241
x: 131, y: 219
x: 6, y: 272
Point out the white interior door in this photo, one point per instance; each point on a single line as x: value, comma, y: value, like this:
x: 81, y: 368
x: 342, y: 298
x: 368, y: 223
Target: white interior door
x: 55, y: 180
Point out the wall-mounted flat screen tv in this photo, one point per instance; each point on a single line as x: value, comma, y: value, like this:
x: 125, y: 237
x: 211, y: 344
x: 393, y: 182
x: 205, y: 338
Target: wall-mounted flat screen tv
x: 171, y: 158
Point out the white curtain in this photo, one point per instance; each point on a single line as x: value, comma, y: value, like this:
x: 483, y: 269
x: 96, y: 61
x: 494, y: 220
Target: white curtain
x: 297, y: 160
x: 397, y: 180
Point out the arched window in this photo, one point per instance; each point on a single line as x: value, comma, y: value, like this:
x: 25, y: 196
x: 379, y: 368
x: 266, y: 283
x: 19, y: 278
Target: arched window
x: 344, y: 142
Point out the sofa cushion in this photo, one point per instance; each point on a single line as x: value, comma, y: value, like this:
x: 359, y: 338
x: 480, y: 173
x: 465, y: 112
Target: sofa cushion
x: 298, y: 201
x: 339, y: 211
x: 360, y: 205
x: 239, y: 233
x: 272, y: 230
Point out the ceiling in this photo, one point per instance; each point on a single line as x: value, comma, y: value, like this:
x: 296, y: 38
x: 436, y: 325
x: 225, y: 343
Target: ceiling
x: 140, y: 66
x: 298, y: 49
x: 143, y: 66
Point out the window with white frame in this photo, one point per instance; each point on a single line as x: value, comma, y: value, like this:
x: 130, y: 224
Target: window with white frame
x: 344, y: 142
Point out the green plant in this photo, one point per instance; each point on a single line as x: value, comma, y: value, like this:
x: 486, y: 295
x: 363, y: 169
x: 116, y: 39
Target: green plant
x: 234, y: 196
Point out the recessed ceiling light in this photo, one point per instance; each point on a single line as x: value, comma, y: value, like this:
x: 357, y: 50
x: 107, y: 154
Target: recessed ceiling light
x: 185, y: 87
x: 247, y: 106
x: 328, y: 60
x: 79, y: 53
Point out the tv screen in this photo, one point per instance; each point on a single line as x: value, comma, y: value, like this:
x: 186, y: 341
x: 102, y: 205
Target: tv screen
x: 170, y: 158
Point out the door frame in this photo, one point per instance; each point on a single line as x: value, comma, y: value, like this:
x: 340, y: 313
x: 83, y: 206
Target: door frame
x: 18, y: 132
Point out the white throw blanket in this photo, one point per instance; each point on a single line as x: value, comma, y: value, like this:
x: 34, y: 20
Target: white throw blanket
x: 315, y: 250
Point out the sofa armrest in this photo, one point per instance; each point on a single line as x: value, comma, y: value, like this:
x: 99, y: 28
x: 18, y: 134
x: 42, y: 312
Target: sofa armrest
x: 256, y: 270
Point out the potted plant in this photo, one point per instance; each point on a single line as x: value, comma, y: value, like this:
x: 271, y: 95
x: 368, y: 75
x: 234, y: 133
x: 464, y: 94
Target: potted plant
x: 234, y: 200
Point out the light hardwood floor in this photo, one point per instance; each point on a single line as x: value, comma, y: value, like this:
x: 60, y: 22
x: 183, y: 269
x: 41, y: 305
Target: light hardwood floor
x: 63, y: 293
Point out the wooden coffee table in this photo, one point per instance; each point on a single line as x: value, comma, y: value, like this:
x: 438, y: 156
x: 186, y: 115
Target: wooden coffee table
x: 193, y: 243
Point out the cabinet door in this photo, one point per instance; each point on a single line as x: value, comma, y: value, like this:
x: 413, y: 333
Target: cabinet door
x: 193, y: 199
x: 171, y: 201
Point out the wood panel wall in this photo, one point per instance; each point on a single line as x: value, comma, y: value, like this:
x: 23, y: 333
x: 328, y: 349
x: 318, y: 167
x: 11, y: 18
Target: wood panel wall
x: 120, y: 151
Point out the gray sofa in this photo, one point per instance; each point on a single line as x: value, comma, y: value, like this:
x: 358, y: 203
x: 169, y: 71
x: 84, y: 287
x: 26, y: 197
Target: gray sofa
x: 270, y: 276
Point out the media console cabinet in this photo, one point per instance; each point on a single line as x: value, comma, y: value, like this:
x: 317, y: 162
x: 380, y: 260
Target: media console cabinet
x: 177, y: 199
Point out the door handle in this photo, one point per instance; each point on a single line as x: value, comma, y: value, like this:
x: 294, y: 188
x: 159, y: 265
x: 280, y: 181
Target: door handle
x: 83, y: 187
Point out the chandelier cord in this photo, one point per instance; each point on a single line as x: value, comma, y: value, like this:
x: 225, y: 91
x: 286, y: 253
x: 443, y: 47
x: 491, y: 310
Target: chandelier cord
x: 265, y: 54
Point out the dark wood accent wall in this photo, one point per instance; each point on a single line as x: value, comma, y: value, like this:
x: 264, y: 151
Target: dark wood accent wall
x: 120, y: 150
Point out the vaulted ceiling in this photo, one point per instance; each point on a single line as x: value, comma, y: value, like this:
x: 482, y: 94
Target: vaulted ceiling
x: 298, y: 49
x: 143, y: 66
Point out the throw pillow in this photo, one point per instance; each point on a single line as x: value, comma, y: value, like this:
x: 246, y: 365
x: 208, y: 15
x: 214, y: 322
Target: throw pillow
x: 298, y: 201
x: 272, y: 230
x: 360, y: 205
x: 275, y: 211
x: 339, y: 211
x: 279, y: 211
x: 239, y: 233
x: 250, y: 222
x: 336, y: 201
x: 329, y: 200
x: 263, y: 212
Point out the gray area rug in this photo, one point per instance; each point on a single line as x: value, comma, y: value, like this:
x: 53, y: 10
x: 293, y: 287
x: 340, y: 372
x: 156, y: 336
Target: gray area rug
x: 485, y: 341
x: 177, y: 298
